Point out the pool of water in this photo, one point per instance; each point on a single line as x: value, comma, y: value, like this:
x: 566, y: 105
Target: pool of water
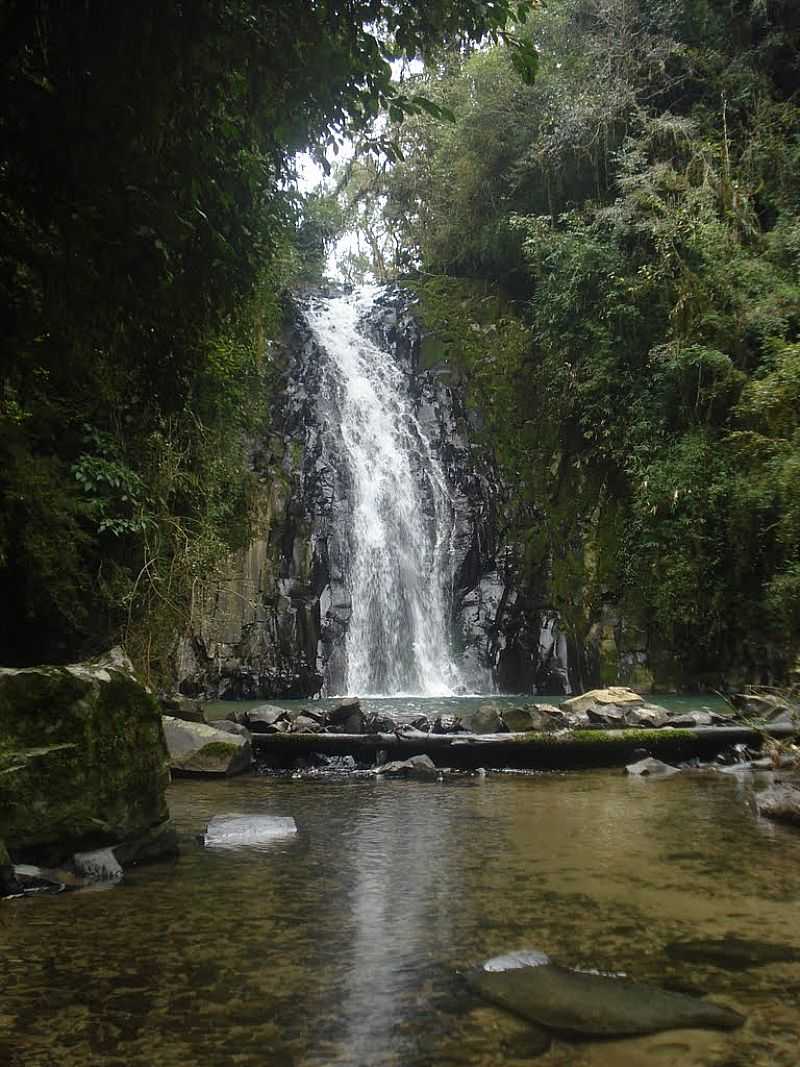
x: 343, y: 944
x: 406, y: 708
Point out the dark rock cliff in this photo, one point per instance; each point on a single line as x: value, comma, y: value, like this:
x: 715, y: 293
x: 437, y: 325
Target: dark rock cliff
x: 275, y: 626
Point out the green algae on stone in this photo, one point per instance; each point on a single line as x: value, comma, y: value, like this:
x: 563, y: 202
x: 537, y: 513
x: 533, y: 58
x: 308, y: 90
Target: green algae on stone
x: 82, y: 757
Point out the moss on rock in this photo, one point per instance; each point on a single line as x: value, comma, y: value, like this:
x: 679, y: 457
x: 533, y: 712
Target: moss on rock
x: 82, y: 757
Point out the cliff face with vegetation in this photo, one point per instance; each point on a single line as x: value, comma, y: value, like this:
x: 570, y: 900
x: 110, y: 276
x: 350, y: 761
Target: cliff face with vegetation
x: 148, y: 225
x: 610, y: 260
x: 606, y: 261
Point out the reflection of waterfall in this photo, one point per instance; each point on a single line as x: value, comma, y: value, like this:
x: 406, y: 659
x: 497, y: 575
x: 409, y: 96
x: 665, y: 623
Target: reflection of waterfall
x: 398, y: 549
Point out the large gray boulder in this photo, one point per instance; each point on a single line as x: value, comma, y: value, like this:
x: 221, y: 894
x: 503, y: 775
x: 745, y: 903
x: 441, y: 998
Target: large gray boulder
x: 347, y: 717
x: 484, y: 719
x: 198, y: 749
x: 83, y: 763
x: 648, y: 716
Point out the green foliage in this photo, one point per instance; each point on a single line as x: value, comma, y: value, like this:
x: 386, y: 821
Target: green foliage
x: 639, y: 206
x: 146, y: 225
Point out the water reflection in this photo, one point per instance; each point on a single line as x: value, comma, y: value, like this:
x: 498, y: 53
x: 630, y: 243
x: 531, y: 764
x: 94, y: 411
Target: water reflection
x: 342, y: 946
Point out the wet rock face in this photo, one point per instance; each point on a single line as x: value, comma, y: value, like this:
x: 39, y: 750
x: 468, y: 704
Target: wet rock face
x: 276, y: 628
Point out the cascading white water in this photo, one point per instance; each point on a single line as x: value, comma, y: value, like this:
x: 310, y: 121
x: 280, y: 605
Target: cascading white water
x: 401, y: 515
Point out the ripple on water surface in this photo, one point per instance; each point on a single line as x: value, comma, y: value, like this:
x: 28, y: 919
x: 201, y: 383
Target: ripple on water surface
x: 341, y: 945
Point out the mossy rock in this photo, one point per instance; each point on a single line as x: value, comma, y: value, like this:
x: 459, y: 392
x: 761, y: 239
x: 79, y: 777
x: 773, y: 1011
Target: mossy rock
x: 198, y: 749
x: 82, y: 758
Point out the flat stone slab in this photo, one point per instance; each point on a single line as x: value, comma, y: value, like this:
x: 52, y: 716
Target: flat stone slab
x: 530, y: 985
x: 236, y: 831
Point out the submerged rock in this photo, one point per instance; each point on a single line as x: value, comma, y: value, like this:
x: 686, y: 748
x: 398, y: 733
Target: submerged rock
x: 529, y: 984
x: 232, y: 831
x: 198, y: 749
x: 781, y: 803
x: 101, y: 865
x: 732, y: 953
x: 651, y: 768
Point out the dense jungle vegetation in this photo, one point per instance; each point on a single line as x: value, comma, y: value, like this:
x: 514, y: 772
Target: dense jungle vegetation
x: 610, y: 259
x: 148, y: 227
x: 607, y: 257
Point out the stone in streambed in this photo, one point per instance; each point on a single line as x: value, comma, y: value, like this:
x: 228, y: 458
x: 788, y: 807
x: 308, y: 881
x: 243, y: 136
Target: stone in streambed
x: 234, y: 831
x: 101, y: 865
x: 530, y: 985
x: 198, y: 749
x: 651, y: 768
x: 415, y: 767
x: 732, y: 953
x: 781, y: 803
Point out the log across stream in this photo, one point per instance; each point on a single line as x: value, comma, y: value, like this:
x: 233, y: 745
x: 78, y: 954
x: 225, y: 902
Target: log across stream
x: 566, y: 750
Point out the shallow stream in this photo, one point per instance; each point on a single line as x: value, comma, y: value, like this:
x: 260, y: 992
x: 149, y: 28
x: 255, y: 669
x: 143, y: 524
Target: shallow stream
x: 342, y: 945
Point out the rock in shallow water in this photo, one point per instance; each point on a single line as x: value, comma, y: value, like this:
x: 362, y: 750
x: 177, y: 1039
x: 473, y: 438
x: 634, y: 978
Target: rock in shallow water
x: 232, y: 831
x: 651, y: 768
x: 529, y: 984
x: 732, y: 953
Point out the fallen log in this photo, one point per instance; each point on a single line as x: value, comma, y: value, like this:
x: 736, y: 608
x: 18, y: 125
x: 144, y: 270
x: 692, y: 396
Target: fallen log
x: 565, y: 750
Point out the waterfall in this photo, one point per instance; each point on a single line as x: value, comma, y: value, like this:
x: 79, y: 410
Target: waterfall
x: 396, y: 553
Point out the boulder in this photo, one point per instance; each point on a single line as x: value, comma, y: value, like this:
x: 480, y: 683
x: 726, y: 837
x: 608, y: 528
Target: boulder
x: 346, y: 717
x: 181, y: 707
x: 607, y: 715
x: 539, y: 717
x: 530, y: 985
x: 651, y: 768
x: 648, y: 717
x: 229, y: 727
x: 780, y: 802
x: 304, y: 724
x: 198, y: 749
x: 100, y: 865
x: 690, y: 719
x: 235, y: 831
x: 261, y: 720
x: 768, y: 707
x: 414, y: 767
x: 82, y: 758
x: 615, y: 694
x: 485, y: 719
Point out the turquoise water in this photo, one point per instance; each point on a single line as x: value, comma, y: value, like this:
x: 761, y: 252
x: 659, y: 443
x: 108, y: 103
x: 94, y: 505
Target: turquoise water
x: 404, y: 709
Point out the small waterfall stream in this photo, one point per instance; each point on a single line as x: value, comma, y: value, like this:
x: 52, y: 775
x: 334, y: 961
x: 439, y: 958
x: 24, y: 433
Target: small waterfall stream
x: 398, y: 548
